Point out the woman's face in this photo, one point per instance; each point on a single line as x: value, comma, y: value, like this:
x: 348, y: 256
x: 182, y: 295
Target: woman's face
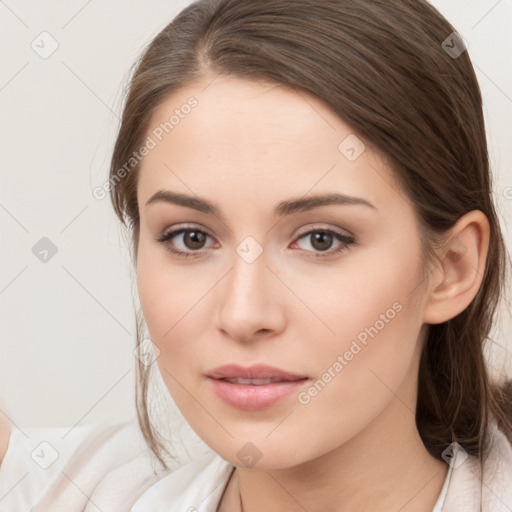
x: 320, y: 301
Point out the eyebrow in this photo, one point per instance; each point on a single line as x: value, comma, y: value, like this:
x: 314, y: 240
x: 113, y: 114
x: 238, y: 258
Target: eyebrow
x: 283, y: 209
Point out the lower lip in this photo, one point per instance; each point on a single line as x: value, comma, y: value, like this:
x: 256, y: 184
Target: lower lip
x: 255, y: 398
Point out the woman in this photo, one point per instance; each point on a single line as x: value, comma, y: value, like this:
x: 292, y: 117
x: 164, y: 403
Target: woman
x: 318, y: 260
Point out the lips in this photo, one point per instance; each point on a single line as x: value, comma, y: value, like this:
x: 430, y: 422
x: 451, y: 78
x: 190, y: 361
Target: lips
x: 253, y: 382
x: 254, y: 388
x: 233, y: 371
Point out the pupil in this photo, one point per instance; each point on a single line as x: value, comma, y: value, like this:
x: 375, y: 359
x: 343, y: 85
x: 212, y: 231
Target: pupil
x: 196, y: 238
x: 322, y: 241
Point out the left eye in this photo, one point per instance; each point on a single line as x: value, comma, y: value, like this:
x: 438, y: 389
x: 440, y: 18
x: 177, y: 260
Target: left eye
x: 322, y: 239
x: 193, y: 240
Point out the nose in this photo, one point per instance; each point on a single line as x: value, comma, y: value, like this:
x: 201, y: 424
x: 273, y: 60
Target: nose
x: 251, y: 301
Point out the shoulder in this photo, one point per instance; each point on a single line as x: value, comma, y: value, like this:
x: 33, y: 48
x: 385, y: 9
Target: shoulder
x: 195, y: 487
x: 497, y: 472
x: 62, y: 468
x: 475, y: 483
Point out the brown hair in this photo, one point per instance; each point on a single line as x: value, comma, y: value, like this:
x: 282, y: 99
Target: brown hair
x: 380, y: 65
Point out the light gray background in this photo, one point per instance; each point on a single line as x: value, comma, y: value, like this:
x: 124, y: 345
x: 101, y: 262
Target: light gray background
x: 67, y: 325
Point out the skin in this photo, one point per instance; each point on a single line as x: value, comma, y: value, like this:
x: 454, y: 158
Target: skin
x: 355, y: 446
x: 5, y: 434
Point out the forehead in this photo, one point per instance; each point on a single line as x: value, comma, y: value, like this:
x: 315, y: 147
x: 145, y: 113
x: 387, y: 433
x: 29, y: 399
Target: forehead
x: 246, y: 141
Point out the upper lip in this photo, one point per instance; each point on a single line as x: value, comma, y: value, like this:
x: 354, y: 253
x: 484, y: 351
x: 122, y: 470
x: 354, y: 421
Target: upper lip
x: 259, y: 371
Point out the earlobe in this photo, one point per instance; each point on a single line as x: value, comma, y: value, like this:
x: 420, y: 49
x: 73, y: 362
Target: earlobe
x: 459, y: 276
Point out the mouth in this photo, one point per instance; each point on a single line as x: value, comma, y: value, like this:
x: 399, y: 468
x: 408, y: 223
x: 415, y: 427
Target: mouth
x: 253, y: 382
x: 254, y: 388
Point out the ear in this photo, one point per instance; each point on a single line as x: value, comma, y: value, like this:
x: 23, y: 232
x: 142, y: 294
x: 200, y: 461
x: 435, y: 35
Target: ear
x: 456, y: 281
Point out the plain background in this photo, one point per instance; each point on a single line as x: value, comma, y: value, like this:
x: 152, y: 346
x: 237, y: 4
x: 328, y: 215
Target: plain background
x: 67, y: 325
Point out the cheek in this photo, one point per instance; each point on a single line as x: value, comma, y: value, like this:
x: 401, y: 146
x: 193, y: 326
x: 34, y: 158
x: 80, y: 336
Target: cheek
x: 358, y: 380
x: 162, y: 295
x: 374, y: 353
x: 173, y: 300
x: 373, y: 299
x: 165, y: 303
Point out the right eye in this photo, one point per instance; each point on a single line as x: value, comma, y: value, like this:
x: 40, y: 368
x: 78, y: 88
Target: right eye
x: 191, y: 239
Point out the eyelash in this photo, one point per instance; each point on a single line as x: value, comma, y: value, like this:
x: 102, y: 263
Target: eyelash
x: 344, y: 246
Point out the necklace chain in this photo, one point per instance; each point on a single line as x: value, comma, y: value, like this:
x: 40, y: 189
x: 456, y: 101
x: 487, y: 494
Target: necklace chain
x: 240, y: 492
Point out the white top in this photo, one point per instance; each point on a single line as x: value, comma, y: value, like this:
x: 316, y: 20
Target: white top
x: 88, y: 468
x: 108, y: 468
